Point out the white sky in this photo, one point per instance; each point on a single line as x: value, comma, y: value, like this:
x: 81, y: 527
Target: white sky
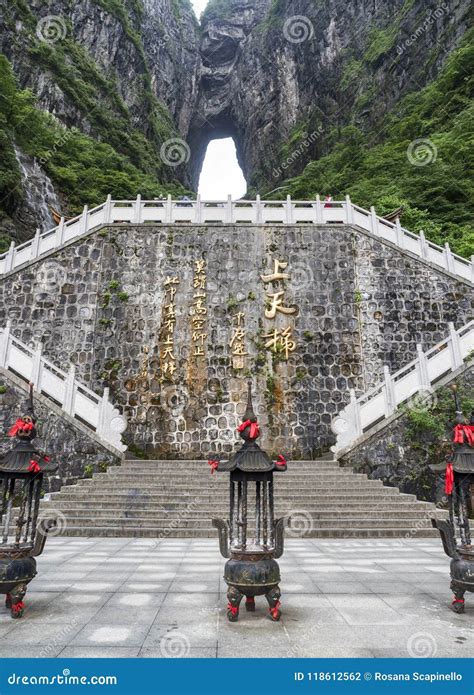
x: 221, y: 175
x: 198, y: 6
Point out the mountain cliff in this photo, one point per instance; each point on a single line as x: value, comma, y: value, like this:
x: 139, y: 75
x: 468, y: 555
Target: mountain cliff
x: 367, y: 97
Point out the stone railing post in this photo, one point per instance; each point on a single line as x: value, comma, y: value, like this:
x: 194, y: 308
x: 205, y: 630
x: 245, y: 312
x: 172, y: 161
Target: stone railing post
x: 60, y: 232
x: 355, y: 414
x: 449, y: 258
x: 258, y: 210
x: 4, y: 343
x: 10, y: 257
x: 197, y: 209
x: 455, y: 348
x: 374, y: 223
x: 169, y: 210
x: 137, y: 210
x: 319, y: 210
x: 472, y: 268
x: 229, y: 217
x: 69, y: 386
x: 102, y: 420
x: 425, y: 383
x: 424, y: 252
x: 84, y: 219
x: 108, y: 210
x: 400, y: 235
x: 35, y: 376
x: 349, y: 210
x: 289, y: 210
x: 35, y: 242
x: 390, y: 404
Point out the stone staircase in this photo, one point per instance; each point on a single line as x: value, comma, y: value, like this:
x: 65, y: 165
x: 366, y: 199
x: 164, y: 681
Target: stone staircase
x: 153, y: 499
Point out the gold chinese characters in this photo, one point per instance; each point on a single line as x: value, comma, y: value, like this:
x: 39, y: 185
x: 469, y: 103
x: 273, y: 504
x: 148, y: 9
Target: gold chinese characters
x: 168, y: 358
x: 279, y: 340
x: 199, y: 308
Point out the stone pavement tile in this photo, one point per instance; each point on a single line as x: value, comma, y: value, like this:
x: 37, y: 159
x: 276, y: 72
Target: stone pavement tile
x: 426, y: 607
x: 100, y: 634
x: 194, y: 586
x: 365, y: 610
x: 20, y: 651
x: 114, y: 615
x: 45, y: 634
x: 136, y: 600
x: 193, y: 653
x: 77, y: 601
x: 95, y: 652
x: 175, y: 634
x: 253, y: 636
x: 343, y: 588
x: 423, y: 639
x: 190, y: 600
x: 144, y: 586
x: 93, y: 587
x: 44, y: 586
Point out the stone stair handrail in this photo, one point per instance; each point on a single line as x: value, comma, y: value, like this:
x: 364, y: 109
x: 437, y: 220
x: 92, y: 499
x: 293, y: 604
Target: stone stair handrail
x: 78, y: 401
x: 254, y: 212
x: 416, y: 378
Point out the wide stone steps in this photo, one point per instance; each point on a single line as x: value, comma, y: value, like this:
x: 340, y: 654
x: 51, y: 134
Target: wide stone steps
x: 156, y: 499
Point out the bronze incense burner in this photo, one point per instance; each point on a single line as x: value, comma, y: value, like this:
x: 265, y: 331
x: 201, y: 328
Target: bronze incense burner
x: 251, y: 541
x: 23, y: 534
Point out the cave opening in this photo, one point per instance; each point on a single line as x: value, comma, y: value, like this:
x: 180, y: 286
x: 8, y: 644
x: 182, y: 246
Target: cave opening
x: 221, y: 174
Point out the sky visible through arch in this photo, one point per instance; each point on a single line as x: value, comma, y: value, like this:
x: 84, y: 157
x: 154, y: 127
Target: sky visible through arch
x: 221, y: 174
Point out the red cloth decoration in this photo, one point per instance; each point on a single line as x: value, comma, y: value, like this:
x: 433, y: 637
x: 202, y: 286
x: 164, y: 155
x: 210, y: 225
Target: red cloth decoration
x: 457, y: 600
x: 46, y: 458
x: 214, y: 464
x: 233, y: 609
x: 464, y: 434
x: 449, y: 479
x: 18, y: 607
x: 281, y: 460
x: 274, y: 610
x: 20, y: 425
x: 34, y: 467
x: 254, y: 428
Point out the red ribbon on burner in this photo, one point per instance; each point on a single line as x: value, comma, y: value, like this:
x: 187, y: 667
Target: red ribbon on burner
x: 449, y: 479
x: 214, y: 464
x: 254, y: 428
x: 34, y: 467
x: 20, y: 425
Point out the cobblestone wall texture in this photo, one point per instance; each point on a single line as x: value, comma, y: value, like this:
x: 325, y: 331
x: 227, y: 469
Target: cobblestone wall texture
x: 360, y: 305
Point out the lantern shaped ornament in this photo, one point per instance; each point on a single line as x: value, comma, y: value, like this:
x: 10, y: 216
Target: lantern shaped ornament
x: 22, y: 534
x: 252, y: 538
x: 455, y: 532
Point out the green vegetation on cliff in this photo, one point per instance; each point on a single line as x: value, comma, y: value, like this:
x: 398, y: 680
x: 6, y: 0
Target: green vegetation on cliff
x: 422, y: 159
x: 84, y: 170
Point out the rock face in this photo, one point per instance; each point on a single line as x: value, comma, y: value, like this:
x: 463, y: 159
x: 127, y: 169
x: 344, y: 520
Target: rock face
x: 264, y: 72
x: 270, y: 68
x: 105, y: 303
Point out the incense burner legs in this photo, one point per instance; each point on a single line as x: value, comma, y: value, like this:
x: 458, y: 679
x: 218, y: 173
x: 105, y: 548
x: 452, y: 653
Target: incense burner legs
x: 251, y: 576
x: 462, y: 564
x: 15, y: 575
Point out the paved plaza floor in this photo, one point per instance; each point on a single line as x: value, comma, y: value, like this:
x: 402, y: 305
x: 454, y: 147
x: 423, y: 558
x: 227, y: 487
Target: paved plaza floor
x: 114, y: 597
